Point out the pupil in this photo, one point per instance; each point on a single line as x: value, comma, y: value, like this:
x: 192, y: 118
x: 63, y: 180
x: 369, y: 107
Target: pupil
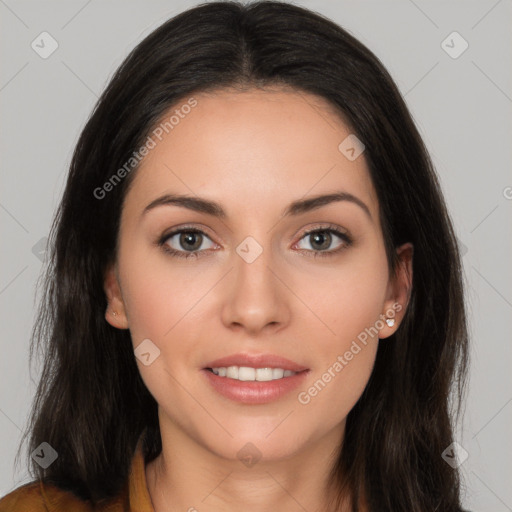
x: 186, y: 239
x: 321, y: 235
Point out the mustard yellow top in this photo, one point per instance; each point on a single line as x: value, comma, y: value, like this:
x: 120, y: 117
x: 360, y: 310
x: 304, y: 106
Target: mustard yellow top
x: 37, y: 497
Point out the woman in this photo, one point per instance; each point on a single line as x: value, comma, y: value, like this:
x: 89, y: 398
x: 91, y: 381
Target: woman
x: 255, y: 297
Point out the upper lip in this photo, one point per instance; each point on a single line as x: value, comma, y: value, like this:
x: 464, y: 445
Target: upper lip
x: 256, y: 361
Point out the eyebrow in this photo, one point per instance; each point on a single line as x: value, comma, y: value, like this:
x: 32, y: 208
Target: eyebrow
x: 214, y: 209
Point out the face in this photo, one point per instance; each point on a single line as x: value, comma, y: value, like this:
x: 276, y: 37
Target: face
x: 264, y: 285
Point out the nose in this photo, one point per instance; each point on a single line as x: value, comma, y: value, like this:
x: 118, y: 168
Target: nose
x: 255, y: 297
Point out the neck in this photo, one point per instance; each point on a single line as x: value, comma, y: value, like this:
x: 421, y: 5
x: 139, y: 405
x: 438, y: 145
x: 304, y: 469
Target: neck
x: 187, y: 476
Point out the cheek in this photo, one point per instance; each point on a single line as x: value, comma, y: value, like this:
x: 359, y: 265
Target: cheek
x: 349, y: 305
x: 150, y: 305
x: 160, y: 307
x: 333, y: 393
x: 157, y: 295
x: 346, y: 298
x: 343, y: 365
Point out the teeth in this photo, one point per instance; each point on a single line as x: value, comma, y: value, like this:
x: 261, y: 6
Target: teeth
x: 277, y: 373
x: 246, y: 373
x: 232, y: 372
x: 264, y: 374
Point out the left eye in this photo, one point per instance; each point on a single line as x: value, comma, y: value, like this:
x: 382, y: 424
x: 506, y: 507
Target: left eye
x: 321, y: 240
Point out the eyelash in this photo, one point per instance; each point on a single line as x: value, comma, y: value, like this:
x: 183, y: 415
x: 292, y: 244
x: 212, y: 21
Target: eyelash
x: 329, y: 228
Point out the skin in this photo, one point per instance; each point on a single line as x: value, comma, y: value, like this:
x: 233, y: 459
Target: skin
x: 253, y: 152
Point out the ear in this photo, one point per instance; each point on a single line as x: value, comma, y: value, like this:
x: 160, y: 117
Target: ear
x: 115, y: 300
x: 399, y: 291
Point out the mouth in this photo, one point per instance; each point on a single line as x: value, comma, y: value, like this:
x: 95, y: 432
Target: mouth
x: 254, y: 379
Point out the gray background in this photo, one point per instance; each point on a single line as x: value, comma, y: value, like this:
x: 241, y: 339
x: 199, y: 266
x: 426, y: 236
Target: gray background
x: 462, y: 107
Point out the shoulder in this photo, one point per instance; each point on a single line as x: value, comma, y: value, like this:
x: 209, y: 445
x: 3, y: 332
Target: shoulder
x: 37, y: 497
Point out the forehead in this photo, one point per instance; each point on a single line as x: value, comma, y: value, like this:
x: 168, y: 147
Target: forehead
x: 249, y: 148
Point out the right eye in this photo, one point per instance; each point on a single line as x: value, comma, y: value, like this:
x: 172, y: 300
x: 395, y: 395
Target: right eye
x: 190, y: 240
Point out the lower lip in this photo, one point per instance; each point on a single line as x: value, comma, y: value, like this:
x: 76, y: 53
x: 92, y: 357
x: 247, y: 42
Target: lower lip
x: 255, y: 392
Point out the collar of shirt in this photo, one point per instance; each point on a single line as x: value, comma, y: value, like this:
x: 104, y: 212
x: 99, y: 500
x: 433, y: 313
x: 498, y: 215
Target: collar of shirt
x: 138, y: 493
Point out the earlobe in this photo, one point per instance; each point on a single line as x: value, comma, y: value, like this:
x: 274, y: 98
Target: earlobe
x: 115, y: 313
x: 399, y: 292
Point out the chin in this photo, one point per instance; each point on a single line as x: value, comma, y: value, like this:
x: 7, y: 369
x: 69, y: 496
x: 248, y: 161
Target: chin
x: 257, y: 442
